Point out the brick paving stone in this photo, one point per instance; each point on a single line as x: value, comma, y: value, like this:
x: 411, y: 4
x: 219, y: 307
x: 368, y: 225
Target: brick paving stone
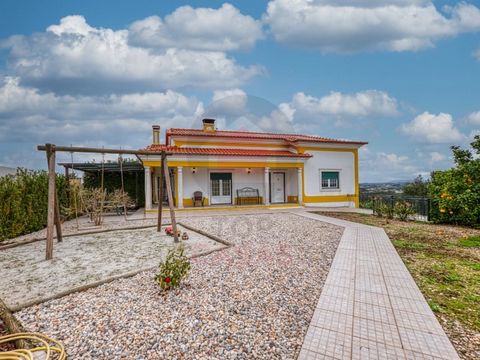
x: 370, y: 306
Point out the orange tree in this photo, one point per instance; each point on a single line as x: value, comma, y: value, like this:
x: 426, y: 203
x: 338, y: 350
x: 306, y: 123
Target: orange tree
x: 456, y: 192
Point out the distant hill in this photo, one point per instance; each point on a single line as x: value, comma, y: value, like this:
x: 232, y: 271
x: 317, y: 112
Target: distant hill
x: 7, y: 170
x: 392, y: 187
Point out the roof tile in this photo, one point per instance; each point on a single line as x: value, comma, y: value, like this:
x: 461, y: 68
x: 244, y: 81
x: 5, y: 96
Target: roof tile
x: 290, y: 138
x: 154, y: 148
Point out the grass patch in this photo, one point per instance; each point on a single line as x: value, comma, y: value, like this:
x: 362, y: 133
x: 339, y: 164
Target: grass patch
x: 410, y: 245
x: 443, y: 260
x: 470, y: 242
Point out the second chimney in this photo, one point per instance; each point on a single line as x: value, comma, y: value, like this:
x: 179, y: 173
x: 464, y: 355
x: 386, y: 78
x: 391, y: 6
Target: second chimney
x: 156, y: 134
x: 208, y: 124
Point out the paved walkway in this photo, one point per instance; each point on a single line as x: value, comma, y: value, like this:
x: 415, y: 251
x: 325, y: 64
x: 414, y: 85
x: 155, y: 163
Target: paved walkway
x: 370, y: 306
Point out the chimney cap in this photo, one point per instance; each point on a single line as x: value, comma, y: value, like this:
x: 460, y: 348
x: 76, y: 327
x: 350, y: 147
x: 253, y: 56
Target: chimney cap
x: 208, y: 121
x: 156, y: 127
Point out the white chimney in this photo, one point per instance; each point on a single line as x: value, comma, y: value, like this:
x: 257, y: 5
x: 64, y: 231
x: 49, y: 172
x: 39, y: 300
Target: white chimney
x: 156, y: 134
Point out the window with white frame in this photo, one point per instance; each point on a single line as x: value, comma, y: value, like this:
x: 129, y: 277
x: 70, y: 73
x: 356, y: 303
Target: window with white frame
x: 330, y: 179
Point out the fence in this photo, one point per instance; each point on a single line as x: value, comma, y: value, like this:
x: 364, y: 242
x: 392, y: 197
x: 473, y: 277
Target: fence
x: 421, y: 205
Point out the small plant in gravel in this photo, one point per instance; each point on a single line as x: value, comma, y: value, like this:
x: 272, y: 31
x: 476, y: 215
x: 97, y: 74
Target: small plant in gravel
x: 174, y: 269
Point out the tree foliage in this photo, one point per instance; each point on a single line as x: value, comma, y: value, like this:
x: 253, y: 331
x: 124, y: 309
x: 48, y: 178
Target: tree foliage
x: 419, y: 187
x: 456, y: 192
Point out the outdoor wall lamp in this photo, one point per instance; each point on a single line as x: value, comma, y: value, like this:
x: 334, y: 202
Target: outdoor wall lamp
x: 194, y: 170
x: 249, y: 170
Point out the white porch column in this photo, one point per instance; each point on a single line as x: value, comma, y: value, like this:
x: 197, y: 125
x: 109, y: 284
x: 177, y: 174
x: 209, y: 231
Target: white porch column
x: 180, y: 186
x: 300, y: 186
x: 148, y: 188
x: 266, y: 181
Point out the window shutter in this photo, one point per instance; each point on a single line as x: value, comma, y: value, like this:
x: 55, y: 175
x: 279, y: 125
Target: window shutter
x: 329, y: 175
x: 220, y: 176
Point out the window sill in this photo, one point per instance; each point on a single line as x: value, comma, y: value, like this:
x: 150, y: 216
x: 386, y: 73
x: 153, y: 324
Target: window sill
x: 330, y: 190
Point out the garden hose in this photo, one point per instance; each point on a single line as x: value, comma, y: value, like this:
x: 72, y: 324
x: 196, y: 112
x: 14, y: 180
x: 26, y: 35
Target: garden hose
x: 47, y: 351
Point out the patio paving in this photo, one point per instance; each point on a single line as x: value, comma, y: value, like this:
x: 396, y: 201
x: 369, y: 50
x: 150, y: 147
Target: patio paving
x: 370, y: 306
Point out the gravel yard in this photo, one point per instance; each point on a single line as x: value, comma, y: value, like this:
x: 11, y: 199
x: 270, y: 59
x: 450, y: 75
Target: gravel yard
x: 252, y: 300
x: 84, y: 260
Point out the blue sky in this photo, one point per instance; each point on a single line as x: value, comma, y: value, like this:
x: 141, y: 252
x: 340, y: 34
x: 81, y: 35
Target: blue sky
x: 401, y: 74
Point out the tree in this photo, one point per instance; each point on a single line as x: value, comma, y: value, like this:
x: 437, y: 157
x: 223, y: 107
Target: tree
x: 456, y: 192
x: 419, y: 187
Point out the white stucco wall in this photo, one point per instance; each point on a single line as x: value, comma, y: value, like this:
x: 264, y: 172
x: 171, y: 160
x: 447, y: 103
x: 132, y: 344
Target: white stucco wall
x: 240, y: 179
x: 344, y: 162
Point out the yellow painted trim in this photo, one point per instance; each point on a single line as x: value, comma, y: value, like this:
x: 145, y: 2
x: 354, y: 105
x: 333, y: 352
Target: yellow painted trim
x: 176, y: 187
x: 357, y: 181
x: 215, y: 164
x: 250, y: 199
x: 301, y: 150
x: 303, y: 186
x: 189, y: 202
x: 292, y: 199
x: 329, y: 198
x: 180, y: 143
x: 232, y: 208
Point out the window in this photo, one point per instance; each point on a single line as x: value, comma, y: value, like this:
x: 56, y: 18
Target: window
x: 330, y: 179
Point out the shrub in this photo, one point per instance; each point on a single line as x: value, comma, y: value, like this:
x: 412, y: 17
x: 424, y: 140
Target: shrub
x: 23, y: 202
x: 383, y: 208
x: 403, y: 209
x: 174, y: 269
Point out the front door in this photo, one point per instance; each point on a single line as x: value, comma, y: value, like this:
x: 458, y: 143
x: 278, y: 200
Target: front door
x: 220, y: 188
x: 277, y: 187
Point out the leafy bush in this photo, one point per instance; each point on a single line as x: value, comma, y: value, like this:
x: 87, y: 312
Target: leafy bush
x: 23, y: 202
x: 403, y: 209
x: 455, y: 192
x: 174, y: 269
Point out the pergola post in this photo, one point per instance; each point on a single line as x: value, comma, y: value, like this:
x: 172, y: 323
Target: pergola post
x: 160, y: 193
x: 58, y: 223
x: 50, y: 151
x: 170, y: 198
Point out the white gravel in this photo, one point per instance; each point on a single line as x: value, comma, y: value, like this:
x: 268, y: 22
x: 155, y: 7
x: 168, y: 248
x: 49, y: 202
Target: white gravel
x: 253, y: 300
x: 85, y: 259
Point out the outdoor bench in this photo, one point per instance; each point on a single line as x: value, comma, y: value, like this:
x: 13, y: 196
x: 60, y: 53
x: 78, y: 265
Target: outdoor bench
x: 248, y: 195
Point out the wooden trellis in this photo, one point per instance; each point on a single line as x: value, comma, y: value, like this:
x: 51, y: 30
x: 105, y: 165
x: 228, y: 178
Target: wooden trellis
x: 53, y: 213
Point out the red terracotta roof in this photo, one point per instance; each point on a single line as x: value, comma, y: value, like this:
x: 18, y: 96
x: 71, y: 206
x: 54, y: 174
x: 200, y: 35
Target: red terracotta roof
x: 155, y: 148
x: 291, y: 138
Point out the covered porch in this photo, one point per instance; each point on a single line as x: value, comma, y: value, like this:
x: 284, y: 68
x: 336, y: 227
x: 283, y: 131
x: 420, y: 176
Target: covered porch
x: 240, y: 184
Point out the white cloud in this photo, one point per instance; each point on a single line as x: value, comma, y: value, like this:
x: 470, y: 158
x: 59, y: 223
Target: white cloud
x: 364, y: 103
x: 383, y: 166
x: 474, y: 118
x: 75, y: 56
x: 350, y: 26
x: 433, y: 129
x: 232, y: 102
x: 222, y: 29
x: 436, y: 157
x: 29, y: 116
x: 476, y: 54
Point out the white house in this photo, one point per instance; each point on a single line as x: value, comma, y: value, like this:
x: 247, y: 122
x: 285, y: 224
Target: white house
x: 232, y: 167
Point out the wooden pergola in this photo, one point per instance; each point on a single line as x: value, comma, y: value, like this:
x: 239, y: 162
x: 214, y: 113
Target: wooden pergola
x: 53, y: 213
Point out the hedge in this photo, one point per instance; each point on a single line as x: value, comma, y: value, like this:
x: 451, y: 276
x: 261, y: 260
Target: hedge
x: 23, y: 202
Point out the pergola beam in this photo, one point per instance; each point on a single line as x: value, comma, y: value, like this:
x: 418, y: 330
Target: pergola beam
x: 53, y: 213
x: 99, y: 150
